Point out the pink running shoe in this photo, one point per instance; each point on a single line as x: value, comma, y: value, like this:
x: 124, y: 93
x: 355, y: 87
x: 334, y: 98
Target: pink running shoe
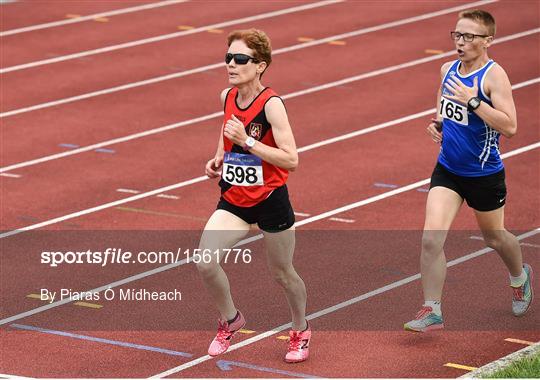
x: 298, y: 350
x: 225, y: 332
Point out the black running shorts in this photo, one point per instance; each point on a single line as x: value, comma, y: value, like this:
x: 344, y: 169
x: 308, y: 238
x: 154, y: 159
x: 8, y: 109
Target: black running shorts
x: 486, y: 193
x: 274, y: 214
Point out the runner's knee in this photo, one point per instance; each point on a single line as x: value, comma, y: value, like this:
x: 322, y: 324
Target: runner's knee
x: 207, y: 269
x: 283, y: 277
x: 495, y: 240
x: 432, y: 244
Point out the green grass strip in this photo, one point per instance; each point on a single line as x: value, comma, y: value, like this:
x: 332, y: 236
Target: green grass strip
x: 527, y: 367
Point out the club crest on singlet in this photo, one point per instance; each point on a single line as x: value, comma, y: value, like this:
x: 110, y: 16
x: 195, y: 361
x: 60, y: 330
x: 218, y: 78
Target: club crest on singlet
x: 242, y: 169
x: 255, y: 130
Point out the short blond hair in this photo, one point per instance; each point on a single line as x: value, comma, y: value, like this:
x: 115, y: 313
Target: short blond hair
x: 482, y: 17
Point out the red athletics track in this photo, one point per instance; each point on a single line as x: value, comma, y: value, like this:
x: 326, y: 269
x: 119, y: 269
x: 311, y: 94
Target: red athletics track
x: 178, y: 103
x: 313, y: 261
x: 209, y: 131
x: 108, y: 172
x: 177, y: 106
x: 23, y: 14
x: 344, y: 190
x: 341, y: 189
x: 177, y: 54
x: 88, y: 35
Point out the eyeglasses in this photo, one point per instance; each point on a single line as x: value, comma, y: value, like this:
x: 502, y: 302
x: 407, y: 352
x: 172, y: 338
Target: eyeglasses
x: 240, y: 59
x: 467, y: 37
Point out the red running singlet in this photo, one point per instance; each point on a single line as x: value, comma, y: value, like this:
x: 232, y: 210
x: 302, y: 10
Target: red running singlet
x: 242, y: 183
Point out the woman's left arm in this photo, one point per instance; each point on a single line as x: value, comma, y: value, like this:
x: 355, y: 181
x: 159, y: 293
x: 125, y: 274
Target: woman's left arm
x: 285, y: 155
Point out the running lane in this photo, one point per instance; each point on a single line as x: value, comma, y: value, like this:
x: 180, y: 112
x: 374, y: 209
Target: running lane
x: 182, y: 53
x: 332, y: 184
x: 20, y: 14
x: 321, y: 258
x: 78, y: 37
x: 154, y: 162
x: 124, y: 113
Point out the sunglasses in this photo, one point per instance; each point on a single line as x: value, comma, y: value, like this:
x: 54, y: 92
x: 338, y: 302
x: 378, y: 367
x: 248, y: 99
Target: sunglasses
x: 240, y: 59
x: 467, y: 37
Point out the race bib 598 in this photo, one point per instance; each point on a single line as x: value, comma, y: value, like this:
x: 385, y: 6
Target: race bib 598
x: 242, y: 169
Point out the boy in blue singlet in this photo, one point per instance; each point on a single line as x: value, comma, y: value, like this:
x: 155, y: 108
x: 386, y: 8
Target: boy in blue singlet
x: 475, y: 107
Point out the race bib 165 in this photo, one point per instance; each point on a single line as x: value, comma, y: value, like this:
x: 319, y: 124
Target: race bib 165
x: 453, y: 111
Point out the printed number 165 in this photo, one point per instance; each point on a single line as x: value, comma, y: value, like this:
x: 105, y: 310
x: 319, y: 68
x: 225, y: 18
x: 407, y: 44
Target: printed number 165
x: 451, y: 111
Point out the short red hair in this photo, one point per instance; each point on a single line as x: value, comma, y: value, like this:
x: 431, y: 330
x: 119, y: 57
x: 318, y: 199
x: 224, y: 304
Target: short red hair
x: 256, y: 40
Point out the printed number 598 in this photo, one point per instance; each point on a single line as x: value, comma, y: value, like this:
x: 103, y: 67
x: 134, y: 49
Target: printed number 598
x: 239, y: 174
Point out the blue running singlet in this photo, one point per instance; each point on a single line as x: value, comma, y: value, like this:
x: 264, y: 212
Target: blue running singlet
x: 469, y: 148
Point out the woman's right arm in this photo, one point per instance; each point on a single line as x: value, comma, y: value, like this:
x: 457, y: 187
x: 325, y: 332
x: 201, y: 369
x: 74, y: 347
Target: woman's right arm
x: 213, y: 166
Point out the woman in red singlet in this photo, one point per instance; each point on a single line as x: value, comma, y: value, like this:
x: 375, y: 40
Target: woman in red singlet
x: 255, y: 153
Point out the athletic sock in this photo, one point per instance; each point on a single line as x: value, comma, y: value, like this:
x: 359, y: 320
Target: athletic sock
x: 518, y: 281
x: 235, y: 318
x: 435, y: 306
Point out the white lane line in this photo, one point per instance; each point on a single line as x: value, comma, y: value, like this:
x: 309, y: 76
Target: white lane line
x: 343, y: 220
x: 111, y: 142
x: 130, y: 191
x: 334, y: 308
x: 530, y: 245
x: 301, y: 214
x: 287, y: 96
x: 387, y: 185
x: 170, y: 35
x: 184, y: 261
x: 11, y: 175
x: 364, y: 131
x: 70, y: 146
x: 105, y: 150
x: 6, y: 376
x: 105, y: 206
x: 221, y: 65
x: 90, y: 17
x: 167, y: 196
x: 522, y: 244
